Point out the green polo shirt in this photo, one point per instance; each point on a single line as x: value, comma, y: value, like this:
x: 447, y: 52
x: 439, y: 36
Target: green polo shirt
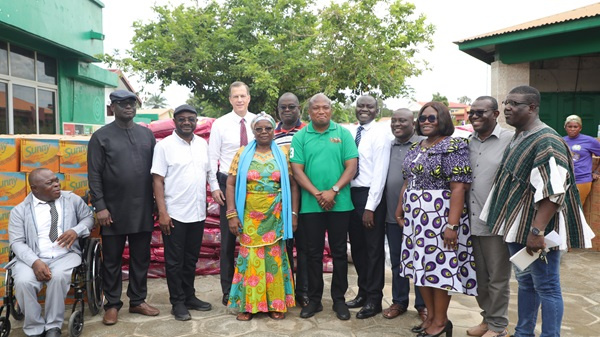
x: 323, y: 156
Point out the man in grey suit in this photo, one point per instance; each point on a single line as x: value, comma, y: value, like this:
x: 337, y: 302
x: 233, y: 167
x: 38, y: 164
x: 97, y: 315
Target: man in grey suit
x: 43, y: 232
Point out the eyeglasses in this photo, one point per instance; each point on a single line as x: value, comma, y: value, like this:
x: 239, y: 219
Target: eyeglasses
x: 260, y: 130
x: 430, y: 118
x: 186, y: 119
x: 478, y: 113
x: 290, y: 107
x: 514, y: 103
x: 125, y: 103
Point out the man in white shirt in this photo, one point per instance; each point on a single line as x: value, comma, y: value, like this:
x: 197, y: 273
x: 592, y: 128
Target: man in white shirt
x: 180, y: 170
x: 43, y: 232
x: 367, y: 220
x: 228, y: 134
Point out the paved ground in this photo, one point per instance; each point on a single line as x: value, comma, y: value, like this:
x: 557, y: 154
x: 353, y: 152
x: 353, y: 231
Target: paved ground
x: 580, y: 275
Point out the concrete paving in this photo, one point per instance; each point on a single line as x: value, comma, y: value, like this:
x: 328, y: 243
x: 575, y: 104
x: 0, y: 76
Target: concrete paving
x: 580, y: 278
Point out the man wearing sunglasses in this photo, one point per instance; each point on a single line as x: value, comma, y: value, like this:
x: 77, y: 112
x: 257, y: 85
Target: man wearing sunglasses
x: 119, y: 162
x: 534, y: 193
x: 486, y: 144
x: 288, y: 109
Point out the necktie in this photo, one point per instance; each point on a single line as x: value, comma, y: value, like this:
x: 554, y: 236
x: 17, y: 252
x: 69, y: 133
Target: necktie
x: 54, y: 222
x: 243, y: 134
x: 357, y: 141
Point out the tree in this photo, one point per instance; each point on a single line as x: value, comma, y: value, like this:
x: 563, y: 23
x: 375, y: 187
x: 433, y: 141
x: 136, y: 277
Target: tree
x: 464, y: 100
x: 277, y: 46
x: 439, y: 98
x: 156, y: 101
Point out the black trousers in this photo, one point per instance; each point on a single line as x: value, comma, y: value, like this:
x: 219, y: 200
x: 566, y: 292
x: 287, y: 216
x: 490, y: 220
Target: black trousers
x: 336, y: 226
x: 182, y: 249
x: 367, y: 247
x: 226, y: 260
x: 301, y: 259
x: 139, y: 261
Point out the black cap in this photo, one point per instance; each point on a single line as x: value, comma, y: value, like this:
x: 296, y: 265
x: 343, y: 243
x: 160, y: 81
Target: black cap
x: 183, y: 108
x: 121, y: 95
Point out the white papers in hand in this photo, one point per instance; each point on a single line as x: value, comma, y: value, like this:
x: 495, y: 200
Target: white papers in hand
x: 522, y: 259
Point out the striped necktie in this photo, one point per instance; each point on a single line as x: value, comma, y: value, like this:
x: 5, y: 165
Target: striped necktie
x: 357, y: 141
x: 54, y: 222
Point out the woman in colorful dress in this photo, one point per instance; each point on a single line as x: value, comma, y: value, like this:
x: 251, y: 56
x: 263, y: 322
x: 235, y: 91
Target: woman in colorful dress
x: 263, y: 195
x: 437, y: 251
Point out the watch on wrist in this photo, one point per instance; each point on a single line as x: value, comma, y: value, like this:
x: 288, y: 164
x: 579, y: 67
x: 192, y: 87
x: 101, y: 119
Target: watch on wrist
x: 452, y: 227
x: 336, y: 189
x: 536, y: 231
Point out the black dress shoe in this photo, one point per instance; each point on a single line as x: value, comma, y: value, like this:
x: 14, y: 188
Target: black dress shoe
x: 357, y: 302
x: 311, y: 309
x: 225, y: 299
x: 341, y: 311
x: 368, y: 310
x: 180, y: 312
x: 54, y: 332
x: 195, y: 303
x: 302, y: 300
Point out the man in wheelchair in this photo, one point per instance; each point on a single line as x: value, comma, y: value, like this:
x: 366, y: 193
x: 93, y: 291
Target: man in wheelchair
x: 43, y: 233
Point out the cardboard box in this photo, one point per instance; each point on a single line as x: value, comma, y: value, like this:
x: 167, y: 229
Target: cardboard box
x: 13, y: 188
x: 73, y: 154
x: 78, y: 183
x: 4, y: 217
x: 10, y: 149
x: 40, y: 151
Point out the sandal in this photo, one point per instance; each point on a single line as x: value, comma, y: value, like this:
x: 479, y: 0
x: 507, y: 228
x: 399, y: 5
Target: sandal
x: 244, y: 316
x: 394, y: 311
x: 276, y: 315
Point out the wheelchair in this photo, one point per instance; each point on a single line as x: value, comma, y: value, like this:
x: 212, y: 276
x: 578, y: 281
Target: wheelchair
x: 86, y: 278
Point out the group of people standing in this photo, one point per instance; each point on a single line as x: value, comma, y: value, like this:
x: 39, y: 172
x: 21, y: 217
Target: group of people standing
x: 453, y: 210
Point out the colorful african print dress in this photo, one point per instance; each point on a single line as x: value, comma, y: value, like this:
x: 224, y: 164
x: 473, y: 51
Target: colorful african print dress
x: 426, y: 208
x: 262, y: 280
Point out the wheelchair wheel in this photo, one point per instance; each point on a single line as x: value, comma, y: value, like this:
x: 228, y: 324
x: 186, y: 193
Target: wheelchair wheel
x: 16, y: 311
x: 93, y: 286
x: 76, y: 323
x: 4, y: 326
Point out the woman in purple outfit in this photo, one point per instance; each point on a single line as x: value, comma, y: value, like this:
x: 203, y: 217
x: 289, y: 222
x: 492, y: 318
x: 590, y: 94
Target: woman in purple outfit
x: 437, y: 251
x: 582, y: 147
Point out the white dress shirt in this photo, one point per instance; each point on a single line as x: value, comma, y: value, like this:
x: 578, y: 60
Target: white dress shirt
x: 224, y: 140
x: 186, y: 170
x: 373, y: 161
x: 43, y: 220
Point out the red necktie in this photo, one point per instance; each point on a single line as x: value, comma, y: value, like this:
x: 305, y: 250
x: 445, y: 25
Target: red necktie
x: 243, y: 134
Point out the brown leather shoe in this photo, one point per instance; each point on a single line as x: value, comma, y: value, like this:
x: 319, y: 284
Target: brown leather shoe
x: 422, y: 314
x: 110, y: 316
x: 478, y: 330
x: 144, y: 309
x: 394, y: 311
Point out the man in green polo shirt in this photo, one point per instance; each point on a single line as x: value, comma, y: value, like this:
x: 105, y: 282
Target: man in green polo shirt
x: 324, y: 160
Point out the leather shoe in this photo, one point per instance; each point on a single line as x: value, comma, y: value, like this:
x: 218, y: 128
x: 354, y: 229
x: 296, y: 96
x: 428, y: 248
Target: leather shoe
x: 368, y: 310
x: 357, y: 302
x: 54, y: 332
x: 422, y: 314
x: 144, y: 309
x: 302, y: 300
x: 341, y: 311
x: 195, y: 303
x: 180, y: 312
x: 311, y: 309
x: 394, y: 311
x: 478, y: 330
x: 225, y: 299
x: 110, y: 316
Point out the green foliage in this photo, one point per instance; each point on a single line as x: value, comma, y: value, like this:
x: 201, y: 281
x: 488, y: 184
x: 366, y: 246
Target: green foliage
x: 155, y: 101
x: 276, y: 46
x: 437, y: 97
x: 464, y: 100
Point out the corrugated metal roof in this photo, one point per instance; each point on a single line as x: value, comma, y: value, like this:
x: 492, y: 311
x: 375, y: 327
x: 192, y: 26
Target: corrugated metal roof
x: 576, y: 14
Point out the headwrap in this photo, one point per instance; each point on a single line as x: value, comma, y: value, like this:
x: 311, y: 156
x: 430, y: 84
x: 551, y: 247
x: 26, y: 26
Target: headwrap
x: 262, y: 116
x: 241, y: 180
x: 573, y: 118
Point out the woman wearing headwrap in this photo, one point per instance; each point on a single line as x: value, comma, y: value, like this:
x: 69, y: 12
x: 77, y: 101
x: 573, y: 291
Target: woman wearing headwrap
x: 582, y: 147
x: 262, y: 206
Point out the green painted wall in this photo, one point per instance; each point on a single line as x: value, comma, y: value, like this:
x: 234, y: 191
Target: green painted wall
x: 555, y: 107
x: 70, y: 24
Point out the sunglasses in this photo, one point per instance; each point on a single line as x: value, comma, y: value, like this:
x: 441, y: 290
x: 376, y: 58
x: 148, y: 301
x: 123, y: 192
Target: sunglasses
x: 125, y: 103
x: 430, y: 118
x: 514, y: 103
x: 286, y: 107
x: 260, y: 130
x: 478, y: 113
x: 186, y: 119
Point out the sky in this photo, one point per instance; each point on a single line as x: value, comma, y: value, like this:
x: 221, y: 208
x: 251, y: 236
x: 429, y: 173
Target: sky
x: 453, y: 73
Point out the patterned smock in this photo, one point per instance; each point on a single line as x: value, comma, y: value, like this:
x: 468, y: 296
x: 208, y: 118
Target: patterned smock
x: 262, y: 280
x: 429, y: 172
